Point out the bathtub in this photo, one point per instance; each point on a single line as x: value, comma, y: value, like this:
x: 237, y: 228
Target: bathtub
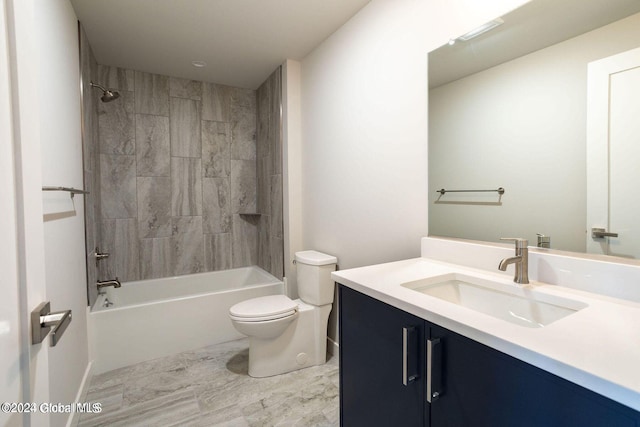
x: 147, y: 319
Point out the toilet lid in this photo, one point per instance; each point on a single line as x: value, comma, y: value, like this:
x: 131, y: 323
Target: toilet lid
x: 264, y: 308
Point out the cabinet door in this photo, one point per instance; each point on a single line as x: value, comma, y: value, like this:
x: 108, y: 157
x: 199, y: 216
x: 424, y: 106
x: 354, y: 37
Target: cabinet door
x: 381, y: 363
x: 481, y: 387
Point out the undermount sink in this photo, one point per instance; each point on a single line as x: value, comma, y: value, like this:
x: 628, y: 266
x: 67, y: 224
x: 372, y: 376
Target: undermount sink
x: 520, y: 305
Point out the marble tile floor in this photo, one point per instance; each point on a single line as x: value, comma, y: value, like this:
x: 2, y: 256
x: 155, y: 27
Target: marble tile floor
x: 211, y: 387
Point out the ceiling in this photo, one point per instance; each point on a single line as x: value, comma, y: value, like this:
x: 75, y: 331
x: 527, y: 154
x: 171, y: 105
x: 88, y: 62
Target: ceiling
x: 533, y: 26
x: 241, y: 41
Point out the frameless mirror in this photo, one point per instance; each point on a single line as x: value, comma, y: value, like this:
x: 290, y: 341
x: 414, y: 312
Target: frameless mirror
x: 508, y: 109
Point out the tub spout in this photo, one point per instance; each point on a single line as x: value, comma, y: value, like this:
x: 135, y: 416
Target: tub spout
x: 115, y: 283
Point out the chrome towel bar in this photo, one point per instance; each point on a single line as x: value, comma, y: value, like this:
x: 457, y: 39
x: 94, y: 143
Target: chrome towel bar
x: 71, y: 190
x: 443, y: 191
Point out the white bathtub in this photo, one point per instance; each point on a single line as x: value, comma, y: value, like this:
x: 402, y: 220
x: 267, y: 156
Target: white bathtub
x: 159, y: 317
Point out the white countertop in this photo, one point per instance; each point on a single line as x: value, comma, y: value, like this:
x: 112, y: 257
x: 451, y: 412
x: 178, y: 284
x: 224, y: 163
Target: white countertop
x: 597, y: 347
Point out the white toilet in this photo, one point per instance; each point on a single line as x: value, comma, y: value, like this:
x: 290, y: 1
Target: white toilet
x: 286, y: 335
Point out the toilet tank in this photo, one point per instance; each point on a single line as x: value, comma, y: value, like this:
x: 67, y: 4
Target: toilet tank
x: 315, y: 285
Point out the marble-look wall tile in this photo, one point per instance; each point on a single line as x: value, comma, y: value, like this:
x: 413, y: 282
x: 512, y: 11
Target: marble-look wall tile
x: 276, y: 226
x: 216, y: 102
x: 152, y: 145
x: 243, y: 186
x: 263, y: 119
x: 217, y: 251
x: 245, y: 240
x: 155, y: 258
x: 184, y: 88
x: 243, y: 117
x: 120, y: 237
x: 277, y: 257
x: 264, y: 243
x: 115, y: 78
x: 116, y: 125
x: 275, y: 131
x: 185, y: 128
x: 216, y: 149
x: 154, y: 206
x: 187, y: 245
x: 186, y: 186
x: 152, y: 94
x: 269, y: 175
x: 118, y: 186
x: 263, y: 184
x: 216, y: 205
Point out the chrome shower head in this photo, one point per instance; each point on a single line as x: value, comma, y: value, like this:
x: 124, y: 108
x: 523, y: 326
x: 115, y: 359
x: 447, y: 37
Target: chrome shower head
x: 107, y: 95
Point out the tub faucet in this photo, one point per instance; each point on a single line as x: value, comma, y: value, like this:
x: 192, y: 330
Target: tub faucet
x: 101, y: 284
x: 521, y: 260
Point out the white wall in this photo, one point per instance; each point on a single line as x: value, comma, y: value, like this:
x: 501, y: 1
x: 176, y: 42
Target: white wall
x: 59, y: 87
x: 520, y: 125
x: 364, y: 128
x: 28, y: 202
x: 10, y: 339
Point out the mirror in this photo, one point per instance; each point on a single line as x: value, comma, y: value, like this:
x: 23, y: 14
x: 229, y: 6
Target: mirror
x: 509, y: 109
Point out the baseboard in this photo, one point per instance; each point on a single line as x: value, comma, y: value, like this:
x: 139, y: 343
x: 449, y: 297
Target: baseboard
x: 81, y: 397
x: 332, y: 347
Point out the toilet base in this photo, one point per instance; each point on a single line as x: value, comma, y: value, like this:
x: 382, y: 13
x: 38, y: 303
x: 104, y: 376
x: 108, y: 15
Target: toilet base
x: 302, y: 344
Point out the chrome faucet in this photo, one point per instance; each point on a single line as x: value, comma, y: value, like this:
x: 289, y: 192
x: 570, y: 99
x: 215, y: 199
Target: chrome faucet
x: 521, y: 260
x: 101, y: 284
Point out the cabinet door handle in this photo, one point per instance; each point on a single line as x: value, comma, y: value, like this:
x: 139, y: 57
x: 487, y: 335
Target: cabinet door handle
x: 407, y: 334
x: 434, y: 359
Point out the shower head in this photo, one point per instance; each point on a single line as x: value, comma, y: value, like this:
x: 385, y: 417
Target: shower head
x: 107, y: 95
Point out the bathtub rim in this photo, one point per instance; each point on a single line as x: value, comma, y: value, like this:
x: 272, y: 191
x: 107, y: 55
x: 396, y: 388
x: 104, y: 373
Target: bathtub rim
x: 101, y: 297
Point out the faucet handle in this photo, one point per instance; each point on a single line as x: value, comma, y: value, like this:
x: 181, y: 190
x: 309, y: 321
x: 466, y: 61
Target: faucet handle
x: 519, y: 241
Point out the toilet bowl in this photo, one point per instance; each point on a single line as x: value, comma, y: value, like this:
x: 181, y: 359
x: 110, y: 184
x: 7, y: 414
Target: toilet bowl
x: 285, y: 334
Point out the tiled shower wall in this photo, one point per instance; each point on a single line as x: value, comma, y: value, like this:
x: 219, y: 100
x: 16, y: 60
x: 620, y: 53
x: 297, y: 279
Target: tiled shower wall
x: 89, y: 72
x: 178, y: 187
x: 269, y: 172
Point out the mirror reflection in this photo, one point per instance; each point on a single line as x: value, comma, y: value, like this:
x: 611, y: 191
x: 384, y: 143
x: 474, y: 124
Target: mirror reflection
x: 509, y: 108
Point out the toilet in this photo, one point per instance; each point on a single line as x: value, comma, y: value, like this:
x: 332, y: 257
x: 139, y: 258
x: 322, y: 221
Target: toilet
x: 285, y: 334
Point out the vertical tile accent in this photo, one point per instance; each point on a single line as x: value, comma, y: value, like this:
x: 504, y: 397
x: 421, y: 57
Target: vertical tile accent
x: 275, y: 130
x: 216, y: 149
x: 216, y: 102
x: 263, y: 166
x: 269, y: 173
x: 216, y: 205
x: 276, y: 226
x: 120, y: 237
x: 187, y: 245
x: 183, y: 88
x: 116, y: 125
x: 245, y: 241
x: 185, y: 128
x: 217, y: 251
x: 152, y: 145
x: 277, y: 257
x: 186, y: 186
x: 152, y: 94
x: 243, y: 116
x: 115, y: 78
x: 264, y: 243
x: 154, y: 206
x: 118, y: 186
x: 243, y: 186
x: 155, y: 258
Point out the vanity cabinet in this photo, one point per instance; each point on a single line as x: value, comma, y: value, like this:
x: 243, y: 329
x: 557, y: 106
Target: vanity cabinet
x: 390, y: 360
x: 381, y: 369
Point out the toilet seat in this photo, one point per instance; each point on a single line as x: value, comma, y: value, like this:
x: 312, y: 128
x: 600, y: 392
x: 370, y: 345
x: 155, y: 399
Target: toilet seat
x: 262, y: 309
